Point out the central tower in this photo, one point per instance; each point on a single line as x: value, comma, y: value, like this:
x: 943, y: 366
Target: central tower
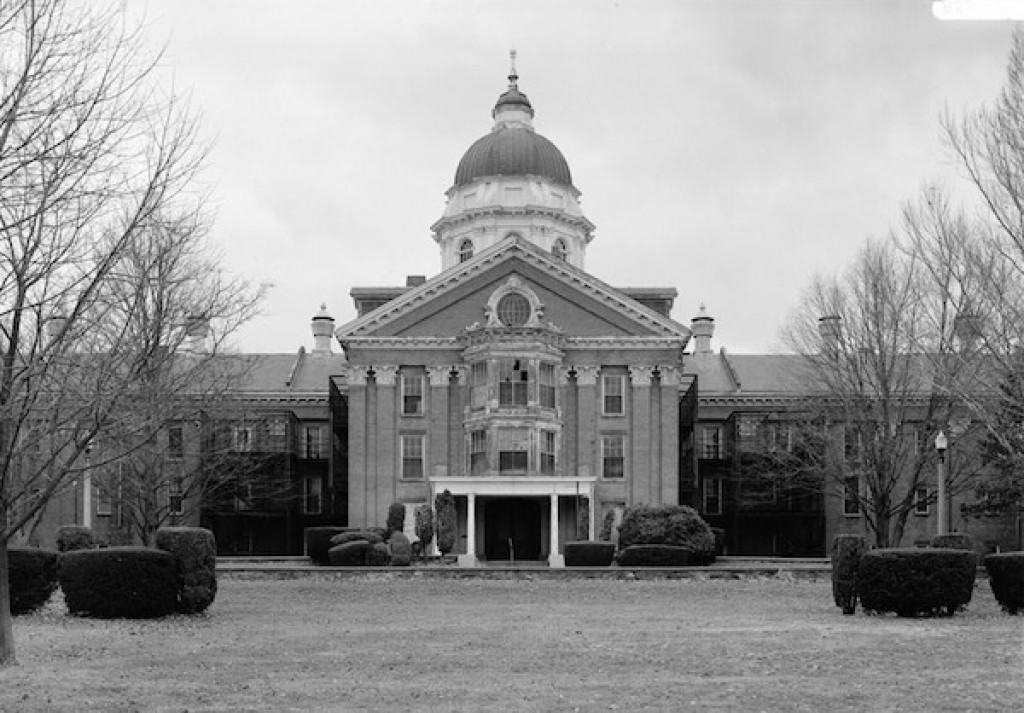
x: 512, y: 181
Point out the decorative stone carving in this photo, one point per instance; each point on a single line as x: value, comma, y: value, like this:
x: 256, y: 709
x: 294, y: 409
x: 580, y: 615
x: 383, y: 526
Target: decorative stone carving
x: 357, y: 376
x: 385, y: 375
x: 459, y: 371
x: 586, y: 374
x: 641, y: 375
x: 439, y: 375
x: 564, y: 372
x: 514, y: 285
x: 669, y: 375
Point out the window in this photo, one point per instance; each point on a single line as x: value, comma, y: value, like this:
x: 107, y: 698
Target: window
x: 478, y: 385
x: 547, y: 386
x: 921, y: 500
x: 711, y: 442
x: 513, y: 449
x: 412, y: 393
x: 612, y: 388
x: 514, y: 383
x: 175, y: 443
x: 312, y: 491
x: 477, y: 452
x: 514, y: 310
x: 176, y: 498
x: 711, y: 496
x: 465, y: 250
x: 851, y: 499
x: 104, y: 501
x: 313, y: 441
x: 559, y: 250
x: 613, y: 460
x: 547, y: 452
x: 412, y: 457
x: 276, y: 428
x: 241, y: 438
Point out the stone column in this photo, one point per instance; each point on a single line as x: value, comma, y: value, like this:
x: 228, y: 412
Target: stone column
x: 469, y: 559
x: 640, y: 475
x: 592, y: 507
x: 358, y: 455
x: 438, y: 378
x: 587, y: 409
x: 385, y: 443
x: 554, y: 558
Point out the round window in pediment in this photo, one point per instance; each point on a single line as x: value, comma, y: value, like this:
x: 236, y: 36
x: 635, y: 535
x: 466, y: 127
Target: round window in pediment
x: 513, y: 310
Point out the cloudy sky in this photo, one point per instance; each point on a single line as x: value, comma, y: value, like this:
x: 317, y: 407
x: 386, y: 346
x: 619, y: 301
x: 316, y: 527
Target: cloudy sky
x: 731, y: 149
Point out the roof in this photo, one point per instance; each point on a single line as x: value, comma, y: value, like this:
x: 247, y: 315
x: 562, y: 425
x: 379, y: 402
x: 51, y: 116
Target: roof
x: 300, y: 373
x: 513, y: 151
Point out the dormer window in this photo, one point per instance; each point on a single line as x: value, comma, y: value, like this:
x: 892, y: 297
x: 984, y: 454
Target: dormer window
x: 559, y: 250
x: 465, y: 250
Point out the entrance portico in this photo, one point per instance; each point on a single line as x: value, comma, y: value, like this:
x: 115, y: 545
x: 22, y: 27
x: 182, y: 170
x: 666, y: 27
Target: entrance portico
x: 522, y: 488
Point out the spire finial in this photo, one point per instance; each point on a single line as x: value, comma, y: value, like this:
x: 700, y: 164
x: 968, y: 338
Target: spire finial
x: 513, y: 78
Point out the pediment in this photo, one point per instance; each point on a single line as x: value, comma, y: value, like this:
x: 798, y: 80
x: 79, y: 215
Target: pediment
x: 466, y: 297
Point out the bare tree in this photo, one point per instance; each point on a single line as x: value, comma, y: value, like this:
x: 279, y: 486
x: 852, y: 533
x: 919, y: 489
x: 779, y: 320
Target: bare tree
x: 93, y: 160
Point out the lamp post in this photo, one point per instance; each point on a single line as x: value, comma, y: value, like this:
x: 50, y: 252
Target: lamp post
x: 941, y: 443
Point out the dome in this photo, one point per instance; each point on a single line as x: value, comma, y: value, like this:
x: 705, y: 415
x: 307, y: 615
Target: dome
x: 513, y: 151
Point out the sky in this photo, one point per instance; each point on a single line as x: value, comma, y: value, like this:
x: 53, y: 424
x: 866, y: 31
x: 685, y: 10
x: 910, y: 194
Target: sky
x: 730, y: 149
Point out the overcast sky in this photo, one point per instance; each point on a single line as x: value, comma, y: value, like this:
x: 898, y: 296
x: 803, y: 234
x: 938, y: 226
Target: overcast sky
x: 728, y: 149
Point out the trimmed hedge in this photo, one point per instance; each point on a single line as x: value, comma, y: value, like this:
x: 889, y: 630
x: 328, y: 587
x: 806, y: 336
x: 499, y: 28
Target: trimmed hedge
x: 401, y: 550
x: 677, y: 525
x: 372, y: 537
x: 378, y: 555
x: 953, y: 541
x: 845, y: 556
x: 912, y: 582
x: 655, y: 556
x: 195, y: 550
x: 589, y: 554
x: 1006, y: 577
x: 74, y: 537
x: 318, y: 541
x: 119, y: 582
x: 32, y: 573
x: 445, y: 521
x: 606, y: 526
x: 349, y: 554
x: 424, y: 526
x: 396, y: 518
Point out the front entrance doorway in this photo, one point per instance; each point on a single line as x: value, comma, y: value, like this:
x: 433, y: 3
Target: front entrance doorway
x: 512, y: 529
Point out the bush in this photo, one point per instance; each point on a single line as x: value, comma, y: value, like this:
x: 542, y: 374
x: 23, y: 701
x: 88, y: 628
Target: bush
x: 396, y: 518
x: 953, y: 541
x: 909, y: 582
x: 371, y: 537
x: 846, y: 553
x: 589, y: 554
x: 676, y: 525
x: 381, y: 532
x: 1006, y: 577
x: 195, y: 550
x: 401, y: 550
x: 606, y: 526
x: 655, y: 556
x: 378, y: 555
x: 446, y: 521
x: 74, y: 537
x: 128, y: 582
x: 424, y: 525
x: 318, y: 541
x: 350, y: 554
x: 719, y: 533
x: 32, y: 573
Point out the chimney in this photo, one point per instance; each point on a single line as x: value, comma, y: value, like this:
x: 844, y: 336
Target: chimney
x: 967, y: 330
x: 415, y: 280
x: 55, y: 325
x: 197, y: 328
x: 703, y: 328
x: 830, y: 329
x: 323, y: 331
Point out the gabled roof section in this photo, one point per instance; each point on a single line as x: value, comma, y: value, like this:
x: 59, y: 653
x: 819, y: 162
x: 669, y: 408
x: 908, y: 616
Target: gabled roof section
x: 515, y: 247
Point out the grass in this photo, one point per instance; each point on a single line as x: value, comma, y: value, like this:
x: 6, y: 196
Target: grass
x: 506, y: 645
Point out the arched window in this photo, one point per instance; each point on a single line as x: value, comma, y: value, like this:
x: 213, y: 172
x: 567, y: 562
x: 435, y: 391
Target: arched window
x: 465, y: 250
x: 559, y: 250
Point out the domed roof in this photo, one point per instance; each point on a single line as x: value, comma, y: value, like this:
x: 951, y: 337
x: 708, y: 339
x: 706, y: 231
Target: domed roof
x: 513, y: 151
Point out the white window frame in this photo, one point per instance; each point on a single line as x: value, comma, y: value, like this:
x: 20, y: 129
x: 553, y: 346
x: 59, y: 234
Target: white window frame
x: 103, y: 498
x: 412, y: 388
x: 708, y: 498
x: 313, y: 445
x: 711, y: 448
x: 548, y: 385
x: 607, y: 440
x: 405, y: 441
x: 606, y: 394
x: 175, y: 497
x: 921, y: 504
x: 548, y: 456
x: 853, y: 511
x: 477, y: 451
x: 241, y: 439
x: 312, y: 487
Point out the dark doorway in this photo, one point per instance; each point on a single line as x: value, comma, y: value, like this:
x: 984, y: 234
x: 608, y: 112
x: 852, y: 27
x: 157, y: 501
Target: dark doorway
x: 512, y: 529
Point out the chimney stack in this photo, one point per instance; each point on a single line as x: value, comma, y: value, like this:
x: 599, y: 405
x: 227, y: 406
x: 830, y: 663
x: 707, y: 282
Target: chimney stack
x: 703, y: 328
x: 197, y: 329
x: 830, y: 330
x: 323, y: 331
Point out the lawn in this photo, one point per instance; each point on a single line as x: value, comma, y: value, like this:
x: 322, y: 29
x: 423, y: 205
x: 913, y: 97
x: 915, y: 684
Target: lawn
x: 385, y: 644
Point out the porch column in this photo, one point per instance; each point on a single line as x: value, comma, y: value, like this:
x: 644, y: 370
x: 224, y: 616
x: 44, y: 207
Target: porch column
x: 554, y: 558
x: 591, y: 534
x: 469, y: 559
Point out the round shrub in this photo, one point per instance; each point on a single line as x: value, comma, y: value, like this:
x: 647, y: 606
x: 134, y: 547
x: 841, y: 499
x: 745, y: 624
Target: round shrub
x: 401, y: 550
x: 912, y: 582
x: 378, y: 555
x: 655, y: 556
x: 74, y: 537
x: 846, y: 553
x: 32, y: 573
x: 350, y: 554
x: 381, y: 532
x: 371, y: 537
x: 318, y: 541
x: 119, y: 582
x: 953, y: 541
x: 195, y: 550
x: 1006, y: 577
x: 424, y: 525
x: 589, y: 554
x: 396, y: 518
x: 676, y: 525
